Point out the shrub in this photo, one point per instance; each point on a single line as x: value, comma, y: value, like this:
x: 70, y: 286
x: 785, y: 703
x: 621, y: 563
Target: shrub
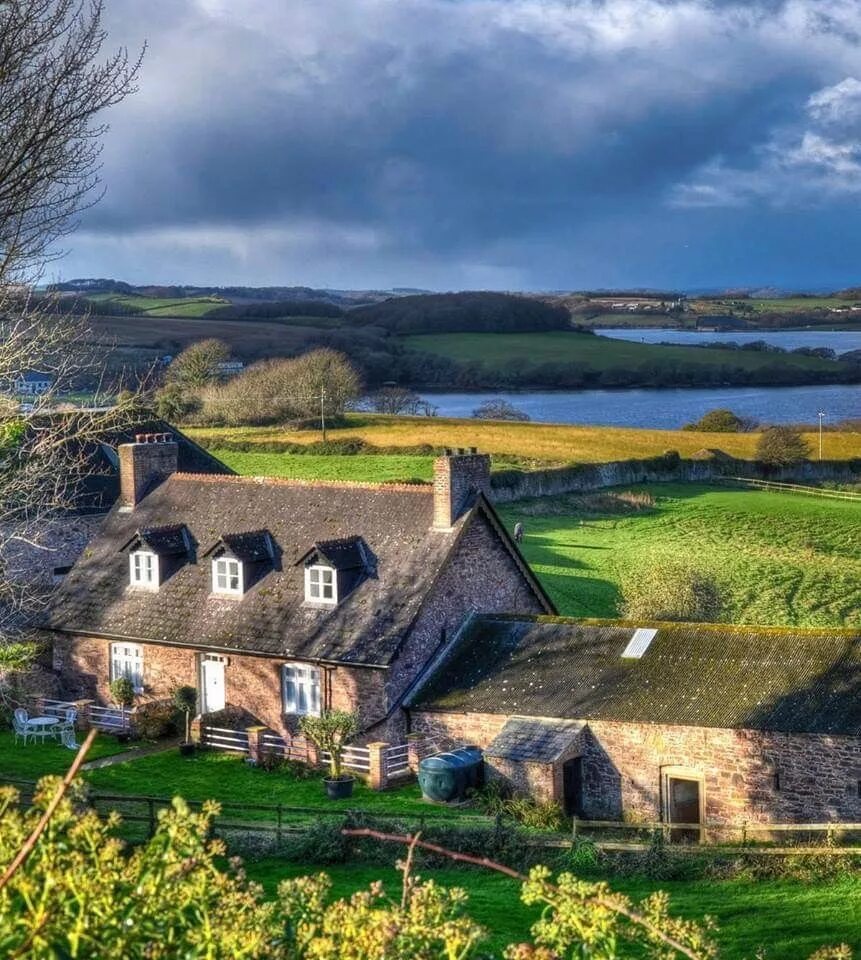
x: 717, y: 421
x: 498, y: 410
x: 670, y: 590
x: 331, y: 732
x: 781, y: 447
x: 185, y: 699
x: 156, y: 719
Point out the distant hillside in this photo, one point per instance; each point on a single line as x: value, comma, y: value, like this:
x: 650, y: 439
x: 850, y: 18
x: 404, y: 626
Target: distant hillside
x: 469, y: 312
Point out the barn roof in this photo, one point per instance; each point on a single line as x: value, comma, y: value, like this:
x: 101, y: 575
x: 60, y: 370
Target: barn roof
x: 709, y: 675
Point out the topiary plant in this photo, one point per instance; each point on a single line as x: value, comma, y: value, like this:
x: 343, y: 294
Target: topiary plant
x: 123, y: 693
x: 185, y: 699
x: 331, y: 732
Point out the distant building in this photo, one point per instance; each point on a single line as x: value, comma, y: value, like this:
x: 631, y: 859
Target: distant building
x: 229, y: 368
x: 33, y: 383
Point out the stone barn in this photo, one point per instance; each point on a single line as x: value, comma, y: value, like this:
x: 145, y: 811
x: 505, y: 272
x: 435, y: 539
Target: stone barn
x: 685, y: 723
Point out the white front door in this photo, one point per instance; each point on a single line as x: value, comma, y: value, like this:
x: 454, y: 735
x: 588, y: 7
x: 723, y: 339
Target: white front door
x: 212, y: 685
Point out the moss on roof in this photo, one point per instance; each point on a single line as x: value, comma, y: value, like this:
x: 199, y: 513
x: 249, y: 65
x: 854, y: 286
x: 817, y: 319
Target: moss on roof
x: 710, y: 675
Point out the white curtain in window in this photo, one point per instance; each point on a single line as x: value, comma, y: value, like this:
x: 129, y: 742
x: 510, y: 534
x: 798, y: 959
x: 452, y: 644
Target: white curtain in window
x: 127, y: 661
x: 301, y: 689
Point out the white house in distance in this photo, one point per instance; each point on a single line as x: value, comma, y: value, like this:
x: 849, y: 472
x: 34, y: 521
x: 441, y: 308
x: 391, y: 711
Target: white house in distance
x: 33, y: 383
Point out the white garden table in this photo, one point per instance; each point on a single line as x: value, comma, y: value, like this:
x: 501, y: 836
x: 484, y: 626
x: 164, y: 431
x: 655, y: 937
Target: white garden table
x: 41, y: 727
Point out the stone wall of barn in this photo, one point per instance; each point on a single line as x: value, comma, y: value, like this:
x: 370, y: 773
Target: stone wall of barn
x: 479, y: 575
x: 252, y: 684
x: 746, y: 774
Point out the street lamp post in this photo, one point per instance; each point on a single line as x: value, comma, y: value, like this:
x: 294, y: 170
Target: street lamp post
x: 821, y: 416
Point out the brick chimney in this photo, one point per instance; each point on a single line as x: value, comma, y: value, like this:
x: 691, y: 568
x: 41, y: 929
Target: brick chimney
x: 150, y: 459
x: 456, y: 476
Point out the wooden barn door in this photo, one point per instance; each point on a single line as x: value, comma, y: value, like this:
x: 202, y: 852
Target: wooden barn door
x: 683, y: 806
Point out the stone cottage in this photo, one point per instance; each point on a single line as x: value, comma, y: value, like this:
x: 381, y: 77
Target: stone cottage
x: 684, y: 723
x: 279, y: 598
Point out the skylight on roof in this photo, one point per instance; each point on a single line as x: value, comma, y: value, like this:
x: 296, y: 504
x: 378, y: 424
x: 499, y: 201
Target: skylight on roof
x: 639, y: 643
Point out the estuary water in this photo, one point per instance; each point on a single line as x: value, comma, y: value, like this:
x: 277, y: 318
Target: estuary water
x: 840, y: 341
x: 667, y: 409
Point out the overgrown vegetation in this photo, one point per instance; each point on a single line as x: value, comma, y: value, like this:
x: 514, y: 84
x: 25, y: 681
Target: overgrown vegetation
x: 670, y: 590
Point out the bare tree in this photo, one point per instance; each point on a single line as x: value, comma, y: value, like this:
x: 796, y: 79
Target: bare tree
x: 54, y: 87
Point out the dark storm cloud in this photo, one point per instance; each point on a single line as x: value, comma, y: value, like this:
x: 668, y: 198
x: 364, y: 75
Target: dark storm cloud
x: 534, y: 143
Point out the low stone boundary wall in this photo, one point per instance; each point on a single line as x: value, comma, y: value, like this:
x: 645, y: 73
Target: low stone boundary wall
x: 508, y: 485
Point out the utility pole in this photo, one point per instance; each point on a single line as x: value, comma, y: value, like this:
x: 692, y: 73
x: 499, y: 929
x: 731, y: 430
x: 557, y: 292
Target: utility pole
x: 323, y: 417
x: 821, y: 416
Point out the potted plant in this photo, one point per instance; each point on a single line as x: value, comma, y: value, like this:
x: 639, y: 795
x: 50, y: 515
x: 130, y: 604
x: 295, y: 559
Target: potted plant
x: 124, y: 696
x: 185, y: 700
x: 330, y: 732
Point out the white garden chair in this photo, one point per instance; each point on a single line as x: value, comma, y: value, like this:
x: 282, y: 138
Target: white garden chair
x: 19, y: 724
x: 65, y: 729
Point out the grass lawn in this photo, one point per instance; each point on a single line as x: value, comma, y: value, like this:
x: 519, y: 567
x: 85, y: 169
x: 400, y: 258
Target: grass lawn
x: 779, y: 558
x: 34, y: 760
x: 599, y: 353
x: 312, y: 467
x: 229, y: 779
x: 558, y: 443
x: 788, y: 918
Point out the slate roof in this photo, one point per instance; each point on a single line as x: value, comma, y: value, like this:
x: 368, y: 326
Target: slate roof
x: 271, y: 618
x: 534, y: 741
x: 99, y: 489
x: 708, y: 675
x: 344, y: 554
x: 169, y: 541
x: 251, y: 547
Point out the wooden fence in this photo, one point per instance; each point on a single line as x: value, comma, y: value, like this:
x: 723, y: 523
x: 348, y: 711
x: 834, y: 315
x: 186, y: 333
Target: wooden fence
x: 746, y: 836
x: 779, y: 487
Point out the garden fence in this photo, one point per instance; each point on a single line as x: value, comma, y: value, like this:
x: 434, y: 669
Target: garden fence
x: 223, y: 738
x: 779, y: 487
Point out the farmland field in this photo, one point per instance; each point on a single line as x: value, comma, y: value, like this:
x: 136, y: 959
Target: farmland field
x: 778, y: 558
x: 554, y: 443
x: 375, y: 467
x: 600, y: 353
x: 164, y: 306
x: 789, y: 919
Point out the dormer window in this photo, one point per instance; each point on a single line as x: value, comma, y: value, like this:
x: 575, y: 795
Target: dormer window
x: 321, y: 584
x: 334, y: 568
x: 143, y: 569
x: 227, y: 576
x: 240, y: 561
x: 156, y: 554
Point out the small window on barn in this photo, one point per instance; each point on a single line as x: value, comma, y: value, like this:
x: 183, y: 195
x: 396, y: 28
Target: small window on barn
x: 127, y: 661
x: 143, y: 569
x: 776, y: 781
x: 300, y: 689
x: 321, y: 584
x: 227, y: 576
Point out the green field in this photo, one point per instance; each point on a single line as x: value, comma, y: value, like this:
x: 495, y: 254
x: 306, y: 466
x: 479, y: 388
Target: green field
x: 164, y: 306
x: 601, y: 353
x: 785, y: 559
x: 375, y: 468
x: 788, y: 919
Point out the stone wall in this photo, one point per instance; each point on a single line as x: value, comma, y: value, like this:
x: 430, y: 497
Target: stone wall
x: 252, y: 684
x: 746, y: 774
x: 508, y: 485
x: 480, y: 575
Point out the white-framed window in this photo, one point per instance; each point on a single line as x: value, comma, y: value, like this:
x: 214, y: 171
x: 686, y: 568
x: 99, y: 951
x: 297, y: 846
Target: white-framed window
x: 227, y: 575
x: 143, y: 569
x: 300, y: 689
x: 127, y: 661
x: 320, y: 584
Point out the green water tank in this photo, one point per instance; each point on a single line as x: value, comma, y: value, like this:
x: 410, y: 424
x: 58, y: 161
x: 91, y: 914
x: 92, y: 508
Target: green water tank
x: 446, y: 777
